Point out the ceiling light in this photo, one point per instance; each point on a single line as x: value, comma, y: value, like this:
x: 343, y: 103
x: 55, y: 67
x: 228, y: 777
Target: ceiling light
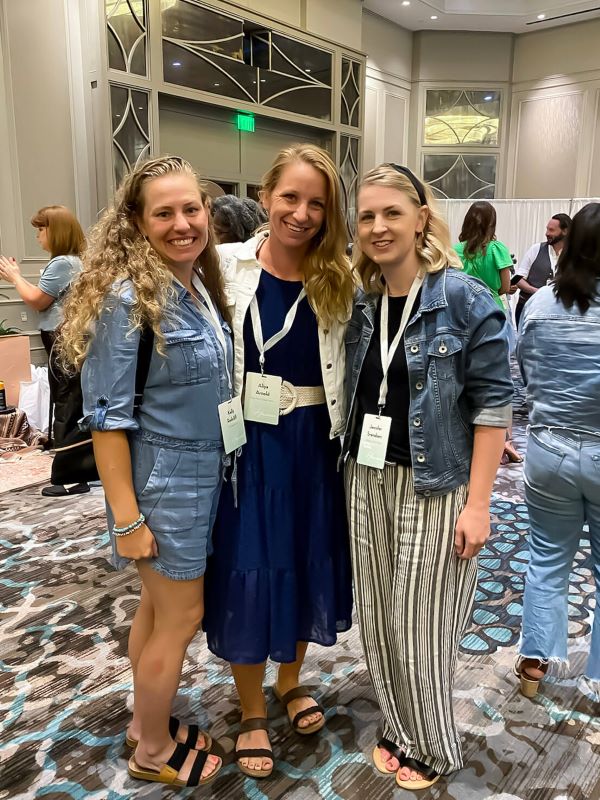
x: 177, y: 63
x: 405, y: 2
x: 433, y: 16
x: 488, y: 97
x: 541, y: 16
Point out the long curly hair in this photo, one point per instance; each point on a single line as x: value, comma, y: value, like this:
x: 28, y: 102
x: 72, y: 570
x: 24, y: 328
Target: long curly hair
x: 478, y: 228
x: 327, y: 275
x: 117, y: 250
x: 434, y: 247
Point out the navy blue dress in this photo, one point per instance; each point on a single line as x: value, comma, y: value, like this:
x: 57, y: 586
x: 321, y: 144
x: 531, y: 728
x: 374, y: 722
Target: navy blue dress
x: 280, y: 569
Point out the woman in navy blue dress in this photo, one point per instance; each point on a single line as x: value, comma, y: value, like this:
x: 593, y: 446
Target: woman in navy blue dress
x: 280, y: 576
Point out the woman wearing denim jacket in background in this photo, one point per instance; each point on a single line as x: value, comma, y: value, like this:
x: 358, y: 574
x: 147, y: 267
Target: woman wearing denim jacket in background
x: 418, y: 522
x: 559, y: 356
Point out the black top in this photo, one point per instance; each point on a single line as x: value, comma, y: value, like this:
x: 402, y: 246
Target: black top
x: 398, y: 396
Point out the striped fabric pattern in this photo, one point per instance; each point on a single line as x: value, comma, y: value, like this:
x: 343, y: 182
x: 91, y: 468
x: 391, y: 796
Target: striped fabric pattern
x: 414, y: 598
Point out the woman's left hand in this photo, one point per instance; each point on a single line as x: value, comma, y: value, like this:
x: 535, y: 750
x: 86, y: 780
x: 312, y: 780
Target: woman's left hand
x: 472, y: 531
x: 9, y: 269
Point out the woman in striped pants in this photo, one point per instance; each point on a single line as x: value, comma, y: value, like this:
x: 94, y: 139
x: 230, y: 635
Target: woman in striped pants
x: 430, y: 393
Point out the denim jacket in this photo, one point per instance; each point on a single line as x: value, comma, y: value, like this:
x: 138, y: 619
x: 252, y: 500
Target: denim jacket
x: 559, y: 355
x: 456, y: 346
x: 183, y: 387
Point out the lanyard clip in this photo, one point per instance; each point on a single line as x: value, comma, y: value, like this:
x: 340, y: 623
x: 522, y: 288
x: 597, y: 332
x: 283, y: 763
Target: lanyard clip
x: 261, y: 361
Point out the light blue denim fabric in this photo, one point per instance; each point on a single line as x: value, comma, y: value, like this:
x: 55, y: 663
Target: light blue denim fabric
x: 456, y: 346
x: 55, y: 281
x: 182, y: 390
x: 175, y: 436
x: 562, y: 490
x: 559, y: 355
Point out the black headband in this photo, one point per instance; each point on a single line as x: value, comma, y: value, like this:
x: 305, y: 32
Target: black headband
x: 413, y: 179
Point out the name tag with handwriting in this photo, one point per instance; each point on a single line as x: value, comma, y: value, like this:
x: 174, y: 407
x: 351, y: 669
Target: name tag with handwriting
x: 261, y: 398
x: 231, y: 418
x: 374, y: 441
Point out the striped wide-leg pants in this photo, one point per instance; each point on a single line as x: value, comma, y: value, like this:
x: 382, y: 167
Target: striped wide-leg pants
x: 414, y: 598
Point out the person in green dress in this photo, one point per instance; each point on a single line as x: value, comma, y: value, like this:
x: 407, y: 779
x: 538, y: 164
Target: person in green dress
x: 484, y: 257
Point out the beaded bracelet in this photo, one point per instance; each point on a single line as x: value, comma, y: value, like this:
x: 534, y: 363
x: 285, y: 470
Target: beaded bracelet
x: 130, y: 528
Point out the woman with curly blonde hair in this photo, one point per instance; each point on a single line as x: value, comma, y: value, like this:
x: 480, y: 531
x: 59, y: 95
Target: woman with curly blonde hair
x: 280, y: 573
x: 146, y: 322
x: 427, y: 372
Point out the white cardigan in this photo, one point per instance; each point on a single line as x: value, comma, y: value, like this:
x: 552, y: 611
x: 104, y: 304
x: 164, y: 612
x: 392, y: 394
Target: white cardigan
x: 241, y: 271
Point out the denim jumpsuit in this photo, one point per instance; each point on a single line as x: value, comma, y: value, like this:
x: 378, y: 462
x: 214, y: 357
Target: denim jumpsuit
x: 175, y: 437
x: 559, y: 355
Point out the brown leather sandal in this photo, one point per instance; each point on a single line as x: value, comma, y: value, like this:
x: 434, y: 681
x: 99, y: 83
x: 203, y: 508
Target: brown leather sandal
x: 247, y: 726
x: 295, y: 694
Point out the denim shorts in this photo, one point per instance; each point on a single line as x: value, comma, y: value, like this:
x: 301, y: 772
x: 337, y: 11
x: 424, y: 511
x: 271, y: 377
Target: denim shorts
x: 177, y: 485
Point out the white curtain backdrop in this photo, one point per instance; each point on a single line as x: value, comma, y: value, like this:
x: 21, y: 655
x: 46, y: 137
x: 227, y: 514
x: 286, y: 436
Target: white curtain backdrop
x: 521, y: 223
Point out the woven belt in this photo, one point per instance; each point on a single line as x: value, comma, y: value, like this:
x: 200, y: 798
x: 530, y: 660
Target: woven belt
x: 292, y: 397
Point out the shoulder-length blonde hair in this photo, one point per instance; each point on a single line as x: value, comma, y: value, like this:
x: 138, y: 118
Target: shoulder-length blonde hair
x: 117, y: 250
x: 433, y: 245
x: 64, y: 234
x: 327, y: 275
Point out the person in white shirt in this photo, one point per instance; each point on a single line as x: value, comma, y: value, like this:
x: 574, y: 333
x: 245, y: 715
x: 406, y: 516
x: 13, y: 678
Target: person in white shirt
x: 538, y: 265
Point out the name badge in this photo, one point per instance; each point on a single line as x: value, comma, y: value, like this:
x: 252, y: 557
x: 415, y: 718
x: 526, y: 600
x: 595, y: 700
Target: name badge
x: 261, y: 398
x: 374, y: 441
x: 231, y: 418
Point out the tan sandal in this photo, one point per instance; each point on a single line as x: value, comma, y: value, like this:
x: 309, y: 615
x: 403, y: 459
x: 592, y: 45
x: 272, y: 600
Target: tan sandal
x: 295, y: 694
x: 430, y: 776
x: 530, y: 682
x: 168, y: 774
x: 192, y: 737
x: 247, y: 726
x: 395, y: 752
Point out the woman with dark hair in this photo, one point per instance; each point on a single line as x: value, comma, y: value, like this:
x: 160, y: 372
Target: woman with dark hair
x: 484, y: 257
x: 236, y: 219
x: 559, y: 356
x: 59, y: 234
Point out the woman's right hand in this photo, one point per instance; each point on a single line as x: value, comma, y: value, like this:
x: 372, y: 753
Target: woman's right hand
x: 9, y: 269
x: 139, y: 544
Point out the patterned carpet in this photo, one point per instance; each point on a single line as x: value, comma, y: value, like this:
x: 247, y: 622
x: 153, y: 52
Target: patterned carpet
x: 65, y: 683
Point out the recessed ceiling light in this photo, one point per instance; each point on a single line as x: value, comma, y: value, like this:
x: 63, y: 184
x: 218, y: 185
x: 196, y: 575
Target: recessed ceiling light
x: 405, y: 2
x: 177, y: 63
x: 541, y: 16
x: 433, y: 16
x: 488, y: 97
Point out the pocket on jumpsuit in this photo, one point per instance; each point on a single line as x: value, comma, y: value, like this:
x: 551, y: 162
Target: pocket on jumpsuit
x: 188, y: 357
x: 169, y: 499
x: 542, y: 463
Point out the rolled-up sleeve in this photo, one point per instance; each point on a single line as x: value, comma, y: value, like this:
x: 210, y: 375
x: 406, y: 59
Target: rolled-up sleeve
x: 488, y: 382
x: 108, y: 374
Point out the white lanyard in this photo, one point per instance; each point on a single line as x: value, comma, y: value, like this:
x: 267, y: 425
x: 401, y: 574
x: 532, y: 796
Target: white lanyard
x: 208, y: 310
x: 277, y: 337
x: 387, y: 354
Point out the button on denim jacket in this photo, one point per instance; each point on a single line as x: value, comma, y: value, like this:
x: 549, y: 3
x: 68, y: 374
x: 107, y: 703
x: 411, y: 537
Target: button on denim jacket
x: 456, y: 346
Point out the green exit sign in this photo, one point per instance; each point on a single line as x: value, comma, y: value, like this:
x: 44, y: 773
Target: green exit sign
x: 245, y: 122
